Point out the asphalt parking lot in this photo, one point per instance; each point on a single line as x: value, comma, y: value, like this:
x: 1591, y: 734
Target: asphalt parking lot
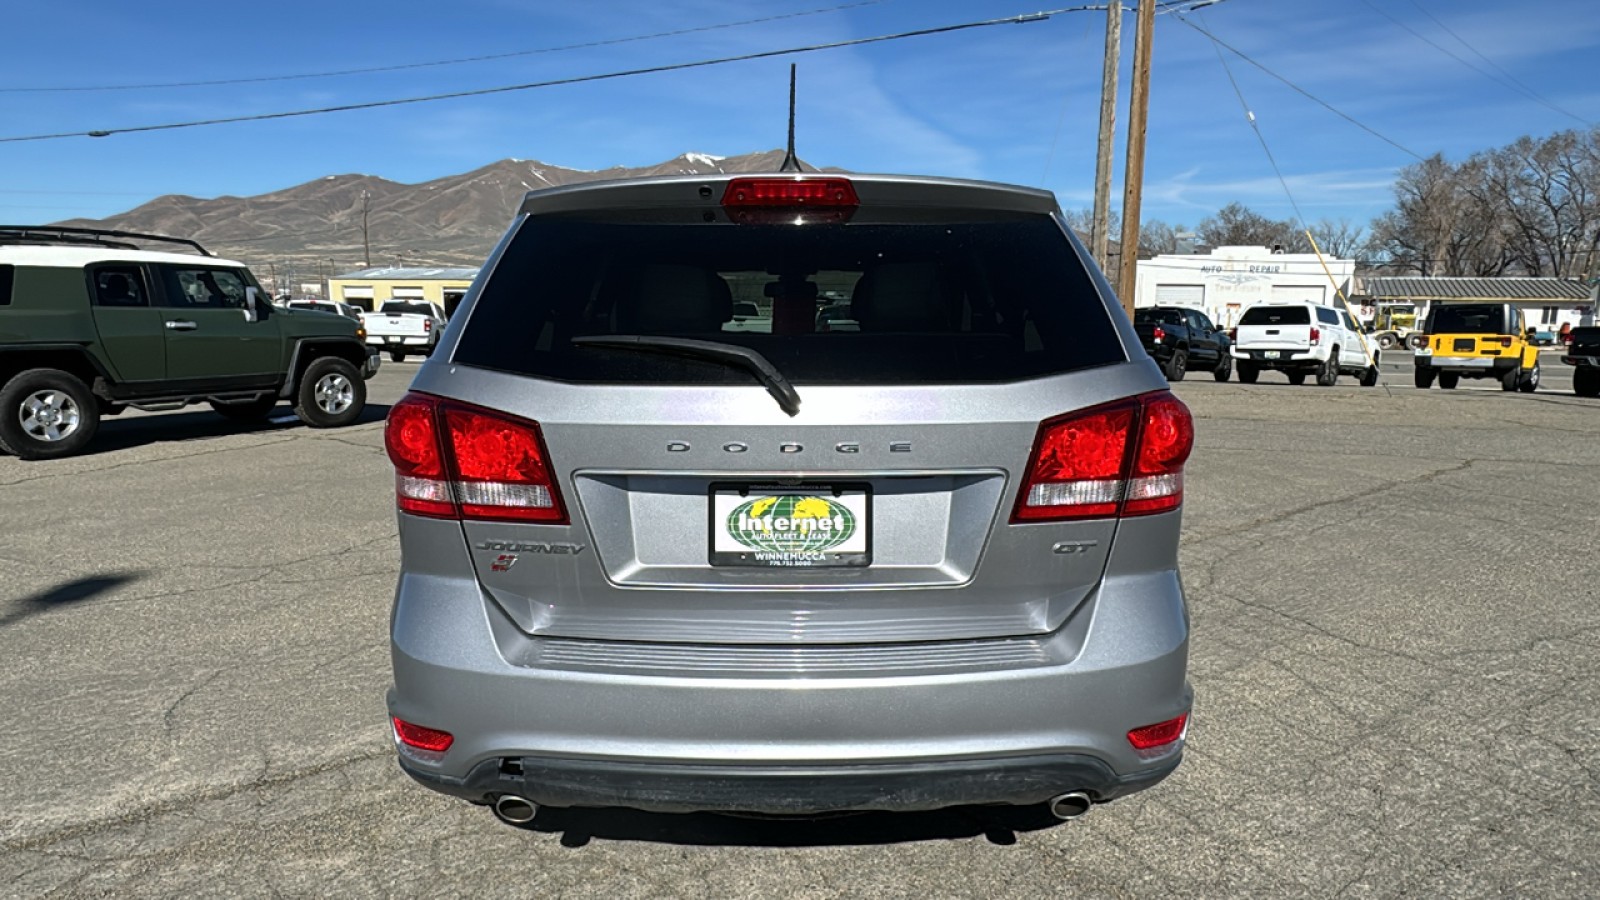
x: 1396, y: 602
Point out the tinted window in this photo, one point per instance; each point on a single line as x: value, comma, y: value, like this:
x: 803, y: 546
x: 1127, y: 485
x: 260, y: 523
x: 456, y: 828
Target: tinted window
x: 120, y: 286
x: 319, y: 307
x: 420, y: 309
x: 1157, y: 317
x: 1327, y: 316
x: 927, y: 303
x: 1276, y: 315
x: 203, y: 288
x: 1467, y: 318
x: 7, y: 277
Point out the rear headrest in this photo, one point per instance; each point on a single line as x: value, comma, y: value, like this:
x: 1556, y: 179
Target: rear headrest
x: 905, y: 297
x: 674, y: 299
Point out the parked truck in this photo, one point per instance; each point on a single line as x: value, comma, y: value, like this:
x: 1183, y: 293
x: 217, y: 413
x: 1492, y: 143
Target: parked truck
x: 1583, y: 351
x: 1179, y: 339
x: 405, y: 327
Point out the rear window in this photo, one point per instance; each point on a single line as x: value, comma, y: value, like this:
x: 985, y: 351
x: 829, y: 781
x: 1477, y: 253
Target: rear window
x: 319, y: 307
x: 1276, y: 315
x: 1157, y: 317
x: 825, y: 303
x: 421, y: 309
x: 7, y: 277
x: 1467, y: 318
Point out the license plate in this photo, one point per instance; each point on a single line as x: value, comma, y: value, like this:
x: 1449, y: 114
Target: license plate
x: 811, y: 526
x: 1272, y: 354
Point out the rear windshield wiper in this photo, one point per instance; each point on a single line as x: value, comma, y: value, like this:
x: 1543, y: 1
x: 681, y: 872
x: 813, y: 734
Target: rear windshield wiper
x: 765, y: 372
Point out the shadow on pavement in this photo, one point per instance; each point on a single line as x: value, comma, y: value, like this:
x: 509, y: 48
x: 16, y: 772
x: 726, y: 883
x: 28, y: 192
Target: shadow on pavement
x: 67, y: 594
x: 199, y: 424
x: 998, y: 824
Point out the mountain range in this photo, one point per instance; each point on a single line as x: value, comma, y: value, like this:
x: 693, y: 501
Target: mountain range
x: 315, y: 229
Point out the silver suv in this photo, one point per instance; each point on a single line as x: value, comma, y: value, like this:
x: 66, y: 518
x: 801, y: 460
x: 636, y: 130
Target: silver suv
x: 655, y: 556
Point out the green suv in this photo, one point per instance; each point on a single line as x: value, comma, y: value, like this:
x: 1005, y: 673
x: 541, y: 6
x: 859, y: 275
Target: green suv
x: 91, y: 324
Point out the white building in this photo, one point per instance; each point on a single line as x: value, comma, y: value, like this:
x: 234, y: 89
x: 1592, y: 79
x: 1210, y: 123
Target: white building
x: 1228, y: 279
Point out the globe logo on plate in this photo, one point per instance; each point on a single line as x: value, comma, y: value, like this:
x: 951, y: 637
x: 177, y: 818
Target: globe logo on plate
x: 791, y: 523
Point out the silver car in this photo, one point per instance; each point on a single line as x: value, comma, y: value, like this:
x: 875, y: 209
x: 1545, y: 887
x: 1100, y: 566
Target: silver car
x: 653, y: 558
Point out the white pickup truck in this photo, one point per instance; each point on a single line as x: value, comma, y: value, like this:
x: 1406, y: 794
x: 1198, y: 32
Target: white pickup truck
x: 404, y: 327
x: 1300, y: 339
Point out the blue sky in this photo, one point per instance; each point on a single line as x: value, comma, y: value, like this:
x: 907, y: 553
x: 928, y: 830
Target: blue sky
x: 1014, y: 102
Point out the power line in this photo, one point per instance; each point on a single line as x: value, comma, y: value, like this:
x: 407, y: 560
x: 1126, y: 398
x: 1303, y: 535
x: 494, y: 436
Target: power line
x: 1256, y: 127
x: 1512, y: 79
x: 1303, y: 92
x: 337, y: 73
x: 578, y: 79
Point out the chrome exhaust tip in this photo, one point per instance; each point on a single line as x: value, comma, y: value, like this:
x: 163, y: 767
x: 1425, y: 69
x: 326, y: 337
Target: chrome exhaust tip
x: 1069, y: 806
x: 514, y: 810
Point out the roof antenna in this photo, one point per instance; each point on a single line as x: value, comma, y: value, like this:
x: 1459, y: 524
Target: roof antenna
x: 790, y: 164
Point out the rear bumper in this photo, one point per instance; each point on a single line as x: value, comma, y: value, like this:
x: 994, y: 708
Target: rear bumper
x: 397, y: 342
x: 1468, y: 365
x: 1582, y: 361
x: 792, y: 790
x: 1049, y: 716
x: 1280, y: 359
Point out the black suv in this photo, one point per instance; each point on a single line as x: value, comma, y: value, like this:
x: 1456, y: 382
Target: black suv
x: 91, y: 324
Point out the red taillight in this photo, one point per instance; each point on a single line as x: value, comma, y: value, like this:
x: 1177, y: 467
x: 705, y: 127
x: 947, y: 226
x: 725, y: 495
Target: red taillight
x: 1124, y: 458
x: 1315, y: 335
x: 1159, y: 335
x: 457, y: 461
x: 1506, y: 342
x: 790, y: 191
x: 422, y: 738
x: 1166, y: 436
x: 795, y: 199
x: 1152, y: 737
x: 427, y: 324
x: 412, y: 438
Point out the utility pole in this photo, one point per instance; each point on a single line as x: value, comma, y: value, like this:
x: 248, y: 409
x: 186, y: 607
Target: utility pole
x: 1133, y: 179
x: 366, y: 239
x: 1100, y: 231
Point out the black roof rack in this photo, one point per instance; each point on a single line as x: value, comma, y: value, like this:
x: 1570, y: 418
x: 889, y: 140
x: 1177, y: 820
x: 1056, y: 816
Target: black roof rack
x: 101, y: 237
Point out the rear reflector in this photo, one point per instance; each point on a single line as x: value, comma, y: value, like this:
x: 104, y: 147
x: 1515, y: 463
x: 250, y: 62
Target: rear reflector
x: 455, y: 461
x: 1124, y: 458
x: 431, y: 739
x: 1153, y: 737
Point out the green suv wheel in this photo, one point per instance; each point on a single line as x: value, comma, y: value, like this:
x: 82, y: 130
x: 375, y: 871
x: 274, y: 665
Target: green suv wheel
x: 331, y: 393
x: 47, y: 414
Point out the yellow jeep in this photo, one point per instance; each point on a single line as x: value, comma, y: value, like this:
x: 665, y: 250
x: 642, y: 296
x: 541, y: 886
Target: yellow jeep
x: 1476, y: 340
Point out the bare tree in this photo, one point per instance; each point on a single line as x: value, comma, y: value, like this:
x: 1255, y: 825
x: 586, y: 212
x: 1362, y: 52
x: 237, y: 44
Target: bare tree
x: 1529, y: 208
x: 1236, y: 225
x: 1342, y: 239
x: 1157, y: 237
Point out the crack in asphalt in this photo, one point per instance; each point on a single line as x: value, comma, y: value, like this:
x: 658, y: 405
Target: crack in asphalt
x: 145, y: 812
x: 172, y: 708
x: 1283, y: 516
